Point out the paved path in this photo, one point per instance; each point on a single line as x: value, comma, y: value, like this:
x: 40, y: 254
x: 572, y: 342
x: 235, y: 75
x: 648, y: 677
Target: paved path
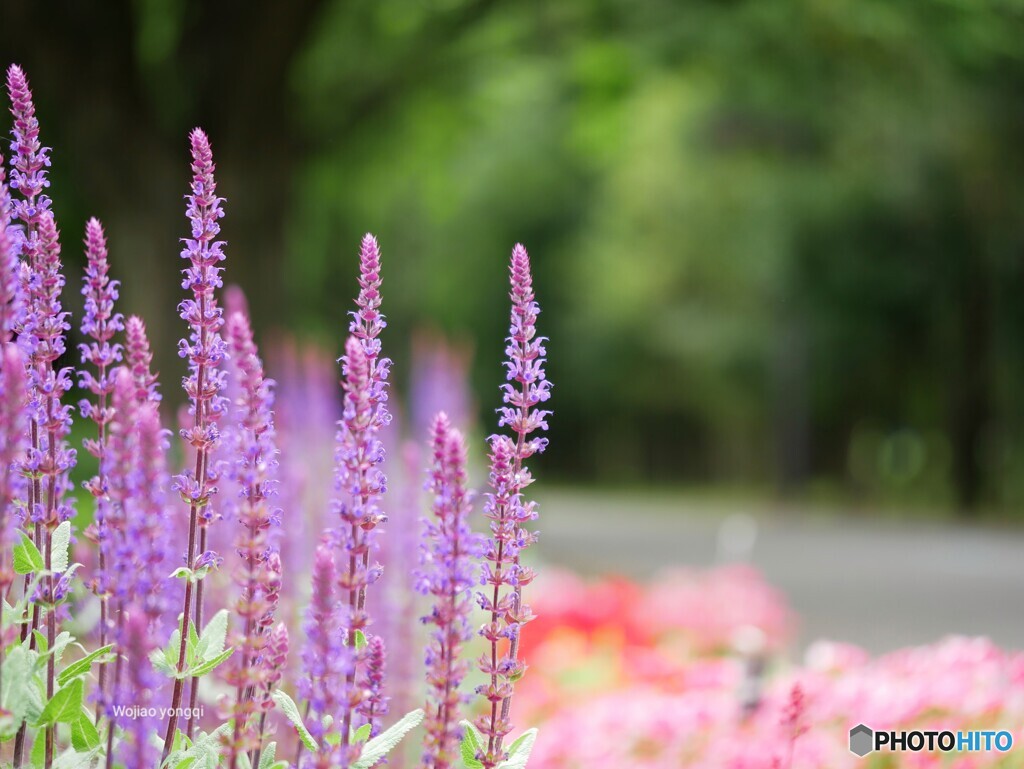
x: 878, y: 583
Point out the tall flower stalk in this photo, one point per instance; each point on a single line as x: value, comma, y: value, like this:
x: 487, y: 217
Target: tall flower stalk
x: 40, y: 325
x: 13, y: 434
x: 139, y: 360
x: 204, y: 349
x: 10, y: 296
x: 13, y: 396
x: 29, y: 161
x: 253, y: 472
x: 508, y: 512
x: 49, y: 458
x: 359, y: 480
x: 274, y: 661
x: 447, y: 574
x: 374, y: 704
x: 322, y: 657
x: 137, y: 532
x: 99, y: 324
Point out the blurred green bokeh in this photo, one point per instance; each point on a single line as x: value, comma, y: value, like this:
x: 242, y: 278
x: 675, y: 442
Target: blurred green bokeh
x: 778, y: 244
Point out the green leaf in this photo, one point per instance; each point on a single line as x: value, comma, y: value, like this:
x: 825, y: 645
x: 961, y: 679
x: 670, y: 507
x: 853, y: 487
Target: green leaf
x: 470, y: 745
x: 204, y: 753
x: 27, y: 558
x: 360, y: 639
x: 179, y: 746
x: 60, y: 543
x: 386, y: 741
x: 291, y: 712
x: 82, y: 666
x: 14, y: 615
x: 38, y: 756
x: 73, y: 759
x: 166, y: 661
x: 65, y: 707
x: 267, y: 756
x: 159, y: 660
x: 60, y: 643
x: 84, y: 736
x: 206, y: 667
x: 191, y: 656
x: 362, y: 734
x: 17, y: 685
x: 214, y: 636
x: 519, y: 751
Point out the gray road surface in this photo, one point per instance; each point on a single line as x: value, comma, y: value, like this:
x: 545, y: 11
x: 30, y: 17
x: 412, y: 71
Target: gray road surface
x: 881, y: 584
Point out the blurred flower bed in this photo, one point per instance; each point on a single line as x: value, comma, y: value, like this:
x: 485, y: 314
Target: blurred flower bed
x: 693, y: 669
x: 690, y: 671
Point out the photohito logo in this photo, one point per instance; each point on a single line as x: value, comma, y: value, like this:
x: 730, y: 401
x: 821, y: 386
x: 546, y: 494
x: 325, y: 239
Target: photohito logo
x: 864, y: 740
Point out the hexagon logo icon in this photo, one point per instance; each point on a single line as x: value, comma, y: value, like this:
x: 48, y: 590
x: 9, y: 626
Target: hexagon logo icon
x: 862, y: 740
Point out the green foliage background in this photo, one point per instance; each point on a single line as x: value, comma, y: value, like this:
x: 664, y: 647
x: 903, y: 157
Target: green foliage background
x: 778, y: 243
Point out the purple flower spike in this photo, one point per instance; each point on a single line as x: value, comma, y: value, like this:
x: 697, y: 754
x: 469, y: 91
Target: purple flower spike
x: 274, y: 660
x: 359, y: 483
x: 137, y: 485
x: 136, y: 534
x: 100, y: 292
x: 41, y: 324
x: 528, y: 385
x: 10, y: 298
x: 147, y: 523
x: 259, y: 571
x: 325, y: 657
x: 447, y: 574
x: 204, y: 349
x: 138, y: 691
x: 509, y: 514
x: 29, y: 158
x: 42, y: 339
x: 100, y: 324
x: 367, y: 321
x: 140, y: 360
x: 374, y: 704
x: 13, y: 440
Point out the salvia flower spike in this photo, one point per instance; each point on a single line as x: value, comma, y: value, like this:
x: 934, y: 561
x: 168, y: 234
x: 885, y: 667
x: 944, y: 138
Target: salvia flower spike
x: 30, y: 160
x: 100, y: 324
x: 509, y: 513
x: 258, y: 573
x: 325, y: 656
x: 359, y: 480
x: 447, y: 574
x: 51, y: 459
x: 40, y: 324
x: 137, y: 529
x: 10, y: 296
x: 374, y: 705
x: 204, y: 349
x: 13, y: 435
x: 139, y: 359
x: 139, y: 687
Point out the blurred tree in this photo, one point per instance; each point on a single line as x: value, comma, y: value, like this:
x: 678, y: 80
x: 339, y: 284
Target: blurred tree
x: 773, y: 240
